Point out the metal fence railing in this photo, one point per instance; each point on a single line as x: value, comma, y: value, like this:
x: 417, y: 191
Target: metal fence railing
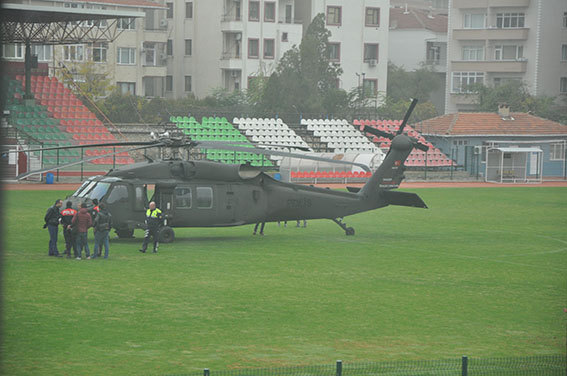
x: 548, y: 365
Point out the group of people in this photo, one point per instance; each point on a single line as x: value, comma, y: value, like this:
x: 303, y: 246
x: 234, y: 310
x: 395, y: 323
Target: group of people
x: 77, y: 223
x: 75, y: 229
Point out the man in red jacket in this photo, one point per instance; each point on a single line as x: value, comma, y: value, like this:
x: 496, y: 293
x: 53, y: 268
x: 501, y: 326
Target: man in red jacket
x: 83, y: 221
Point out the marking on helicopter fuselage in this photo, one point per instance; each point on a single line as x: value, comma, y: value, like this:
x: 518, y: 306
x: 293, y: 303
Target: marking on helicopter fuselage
x: 298, y: 203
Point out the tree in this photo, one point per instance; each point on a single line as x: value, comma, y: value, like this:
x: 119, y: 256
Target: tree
x: 419, y: 84
x: 517, y: 96
x: 305, y: 79
x: 88, y: 81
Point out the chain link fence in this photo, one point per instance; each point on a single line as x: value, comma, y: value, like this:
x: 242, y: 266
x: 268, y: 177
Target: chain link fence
x: 550, y: 365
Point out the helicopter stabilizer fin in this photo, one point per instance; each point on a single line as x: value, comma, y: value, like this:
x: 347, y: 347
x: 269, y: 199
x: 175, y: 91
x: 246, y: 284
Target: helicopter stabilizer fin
x: 404, y: 199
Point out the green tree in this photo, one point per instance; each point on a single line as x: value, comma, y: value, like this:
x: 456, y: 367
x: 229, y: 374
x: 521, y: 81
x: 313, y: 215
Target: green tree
x: 517, y: 96
x: 305, y: 79
x: 419, y: 84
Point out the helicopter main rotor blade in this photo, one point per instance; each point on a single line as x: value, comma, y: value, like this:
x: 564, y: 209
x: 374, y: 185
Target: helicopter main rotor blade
x: 407, y: 116
x: 108, y: 144
x: 254, y: 150
x: 58, y: 167
x: 378, y: 132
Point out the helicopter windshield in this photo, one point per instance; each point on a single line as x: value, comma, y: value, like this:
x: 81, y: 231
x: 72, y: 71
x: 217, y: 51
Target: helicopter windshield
x: 81, y: 188
x: 92, y: 190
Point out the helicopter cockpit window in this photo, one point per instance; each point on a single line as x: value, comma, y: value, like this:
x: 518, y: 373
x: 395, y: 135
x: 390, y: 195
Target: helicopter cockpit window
x: 81, y: 188
x: 98, y: 191
x: 85, y: 189
x: 118, y: 193
x: 204, y: 197
x: 182, y: 198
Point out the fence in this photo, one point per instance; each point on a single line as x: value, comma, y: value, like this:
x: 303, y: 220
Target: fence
x: 551, y: 365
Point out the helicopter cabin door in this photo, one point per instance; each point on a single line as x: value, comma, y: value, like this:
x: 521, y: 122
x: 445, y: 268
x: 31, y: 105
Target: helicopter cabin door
x: 165, y: 203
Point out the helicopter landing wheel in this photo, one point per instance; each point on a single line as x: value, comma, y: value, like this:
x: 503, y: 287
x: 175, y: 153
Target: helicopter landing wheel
x: 166, y: 235
x: 125, y: 233
x: 349, y: 231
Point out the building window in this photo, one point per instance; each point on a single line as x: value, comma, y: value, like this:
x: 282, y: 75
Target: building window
x: 13, y: 51
x: 508, y: 52
x: 563, y: 85
x: 168, y: 83
x: 44, y: 52
x: 99, y: 52
x: 372, y: 17
x: 557, y: 151
x: 269, y: 12
x: 189, y: 9
x: 284, y: 37
x: 169, y: 12
x: 169, y: 47
x: 188, y: 47
x: 565, y: 20
x: 433, y: 53
x: 474, y: 21
x: 462, y: 81
x: 74, y: 52
x: 370, y: 86
x: 126, y: 24
x: 253, y: 48
x: 370, y: 52
x: 269, y: 48
x: 334, y: 51
x: 188, y: 84
x: 473, y: 53
x: 126, y: 55
x: 334, y: 16
x: 505, y: 80
x: 509, y: 20
x: 564, y: 52
x: 150, y: 54
x: 254, y: 11
x: 127, y: 87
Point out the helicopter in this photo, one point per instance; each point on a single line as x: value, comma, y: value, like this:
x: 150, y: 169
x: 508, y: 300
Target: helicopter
x: 201, y: 193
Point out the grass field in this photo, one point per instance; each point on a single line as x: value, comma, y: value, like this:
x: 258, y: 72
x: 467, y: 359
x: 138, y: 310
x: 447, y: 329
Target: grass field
x: 481, y: 273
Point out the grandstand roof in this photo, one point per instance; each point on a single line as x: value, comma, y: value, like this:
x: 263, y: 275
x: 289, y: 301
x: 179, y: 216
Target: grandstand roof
x: 490, y: 124
x: 48, y: 24
x: 415, y: 18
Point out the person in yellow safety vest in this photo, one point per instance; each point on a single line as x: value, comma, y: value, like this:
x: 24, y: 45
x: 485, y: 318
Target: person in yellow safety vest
x: 154, y: 220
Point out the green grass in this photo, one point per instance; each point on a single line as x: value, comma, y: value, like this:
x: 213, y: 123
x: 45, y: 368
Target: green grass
x: 481, y: 273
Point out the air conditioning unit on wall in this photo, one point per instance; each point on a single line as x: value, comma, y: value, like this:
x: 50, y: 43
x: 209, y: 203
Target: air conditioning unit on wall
x: 163, y: 22
x: 372, y: 62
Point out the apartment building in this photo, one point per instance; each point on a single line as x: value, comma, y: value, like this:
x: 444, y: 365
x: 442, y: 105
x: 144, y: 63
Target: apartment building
x: 495, y: 41
x: 223, y: 44
x: 359, y: 38
x: 135, y: 61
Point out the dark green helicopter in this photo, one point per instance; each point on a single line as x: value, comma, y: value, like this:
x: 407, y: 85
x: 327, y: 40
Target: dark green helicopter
x: 200, y: 193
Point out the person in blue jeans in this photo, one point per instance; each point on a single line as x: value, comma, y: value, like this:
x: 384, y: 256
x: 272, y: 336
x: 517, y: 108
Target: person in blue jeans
x: 102, y: 225
x: 82, y: 220
x: 52, y: 219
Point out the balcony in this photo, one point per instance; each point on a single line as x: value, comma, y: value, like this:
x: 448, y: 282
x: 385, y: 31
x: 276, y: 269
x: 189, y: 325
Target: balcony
x: 503, y: 66
x: 472, y: 4
x: 491, y: 34
x: 231, y: 23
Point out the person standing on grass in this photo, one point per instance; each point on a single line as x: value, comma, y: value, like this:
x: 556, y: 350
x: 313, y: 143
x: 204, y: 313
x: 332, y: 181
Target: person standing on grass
x: 66, y: 218
x: 102, y: 225
x: 52, y: 218
x: 154, y: 219
x: 83, y: 221
x: 261, y: 228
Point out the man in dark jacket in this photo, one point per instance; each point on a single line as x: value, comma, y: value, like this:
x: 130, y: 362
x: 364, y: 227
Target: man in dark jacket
x: 52, y: 224
x: 101, y: 225
x: 83, y: 221
x: 67, y: 215
x: 154, y: 219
